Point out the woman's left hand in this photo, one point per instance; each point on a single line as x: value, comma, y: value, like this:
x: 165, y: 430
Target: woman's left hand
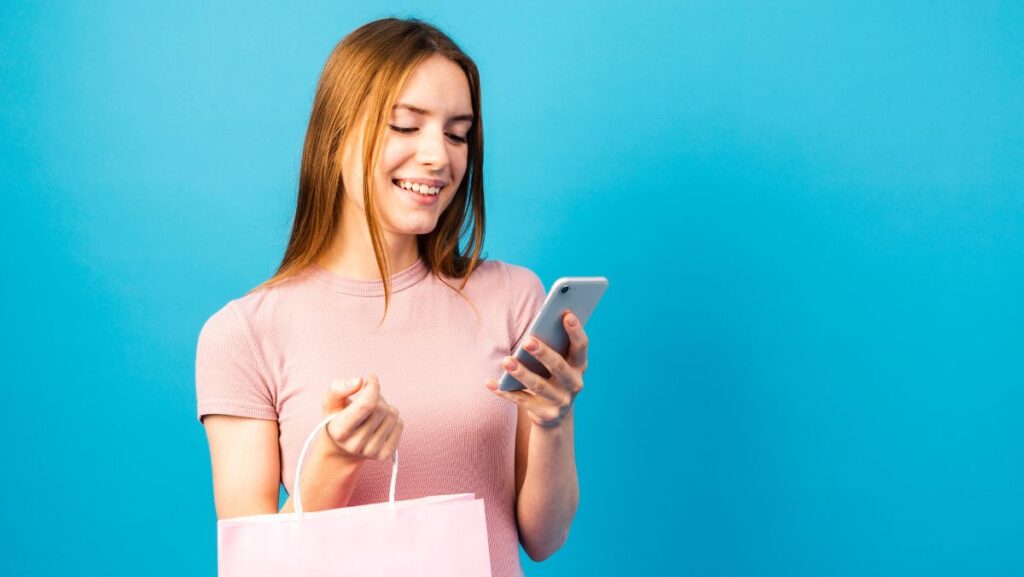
x: 548, y: 400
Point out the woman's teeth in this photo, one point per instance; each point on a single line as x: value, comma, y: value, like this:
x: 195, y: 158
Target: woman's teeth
x: 420, y: 188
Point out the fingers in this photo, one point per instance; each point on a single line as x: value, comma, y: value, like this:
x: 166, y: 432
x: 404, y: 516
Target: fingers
x: 370, y: 393
x: 385, y: 441
x: 541, y: 411
x: 532, y: 381
x: 361, y: 436
x: 365, y: 425
x: 567, y: 375
x: 578, y: 341
x: 356, y: 410
x: 339, y: 392
x: 377, y: 444
x: 547, y: 400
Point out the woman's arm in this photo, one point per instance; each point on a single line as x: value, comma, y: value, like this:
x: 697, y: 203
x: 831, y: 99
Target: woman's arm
x: 547, y: 486
x: 246, y: 469
x: 244, y: 453
x: 244, y: 457
x: 548, y: 489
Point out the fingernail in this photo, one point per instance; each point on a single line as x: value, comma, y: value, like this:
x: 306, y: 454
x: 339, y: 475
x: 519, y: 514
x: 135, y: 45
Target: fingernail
x: 492, y: 385
x: 531, y: 344
x: 571, y: 320
x: 511, y: 364
x: 354, y: 382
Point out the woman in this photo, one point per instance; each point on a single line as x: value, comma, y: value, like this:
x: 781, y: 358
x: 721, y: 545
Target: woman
x: 406, y: 359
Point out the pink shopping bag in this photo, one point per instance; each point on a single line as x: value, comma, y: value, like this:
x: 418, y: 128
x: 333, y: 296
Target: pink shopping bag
x: 438, y: 535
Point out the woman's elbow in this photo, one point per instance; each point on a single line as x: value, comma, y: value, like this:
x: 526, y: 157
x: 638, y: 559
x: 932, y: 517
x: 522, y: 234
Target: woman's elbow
x: 542, y: 538
x: 538, y: 552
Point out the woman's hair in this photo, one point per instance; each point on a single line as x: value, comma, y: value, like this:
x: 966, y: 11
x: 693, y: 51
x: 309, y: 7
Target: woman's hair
x: 364, y: 75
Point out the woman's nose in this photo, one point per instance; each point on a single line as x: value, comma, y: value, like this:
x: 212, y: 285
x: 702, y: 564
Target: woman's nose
x: 432, y: 149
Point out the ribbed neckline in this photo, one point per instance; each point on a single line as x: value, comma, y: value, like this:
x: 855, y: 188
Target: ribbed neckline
x: 369, y: 288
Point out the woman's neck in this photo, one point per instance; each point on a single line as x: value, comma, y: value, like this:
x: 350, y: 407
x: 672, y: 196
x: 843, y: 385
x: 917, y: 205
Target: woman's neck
x: 351, y: 253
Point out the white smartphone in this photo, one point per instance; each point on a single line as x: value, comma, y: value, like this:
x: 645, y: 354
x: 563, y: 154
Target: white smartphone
x: 577, y: 293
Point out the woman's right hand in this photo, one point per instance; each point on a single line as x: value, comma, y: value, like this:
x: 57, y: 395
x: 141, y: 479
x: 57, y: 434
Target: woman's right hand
x: 364, y: 426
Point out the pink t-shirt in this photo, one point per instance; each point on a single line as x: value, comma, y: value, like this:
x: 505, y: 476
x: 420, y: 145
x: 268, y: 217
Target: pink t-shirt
x: 272, y: 354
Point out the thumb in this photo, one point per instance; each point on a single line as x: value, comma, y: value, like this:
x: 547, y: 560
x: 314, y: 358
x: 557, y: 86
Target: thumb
x: 339, y: 391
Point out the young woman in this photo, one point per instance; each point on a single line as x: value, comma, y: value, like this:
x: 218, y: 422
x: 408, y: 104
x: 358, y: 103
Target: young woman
x: 391, y: 180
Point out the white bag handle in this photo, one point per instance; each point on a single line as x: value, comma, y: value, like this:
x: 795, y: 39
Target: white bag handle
x: 302, y: 457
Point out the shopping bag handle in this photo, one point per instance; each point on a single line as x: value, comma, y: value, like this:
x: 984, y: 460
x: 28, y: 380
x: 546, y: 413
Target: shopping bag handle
x: 297, y: 494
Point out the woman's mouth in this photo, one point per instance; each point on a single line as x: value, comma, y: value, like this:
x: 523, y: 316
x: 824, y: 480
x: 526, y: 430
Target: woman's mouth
x: 421, y: 189
x: 421, y: 194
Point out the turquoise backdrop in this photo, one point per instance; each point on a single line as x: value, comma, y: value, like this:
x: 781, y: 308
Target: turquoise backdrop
x: 811, y: 356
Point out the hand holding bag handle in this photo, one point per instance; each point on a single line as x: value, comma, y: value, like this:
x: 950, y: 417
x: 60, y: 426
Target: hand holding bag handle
x: 434, y: 535
x: 302, y: 457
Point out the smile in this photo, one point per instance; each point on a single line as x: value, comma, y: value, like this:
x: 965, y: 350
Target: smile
x: 421, y: 189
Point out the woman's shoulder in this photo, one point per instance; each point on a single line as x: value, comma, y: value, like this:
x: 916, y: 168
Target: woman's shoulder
x: 231, y: 374
x: 495, y: 275
x: 230, y: 323
x: 245, y: 313
x: 514, y: 292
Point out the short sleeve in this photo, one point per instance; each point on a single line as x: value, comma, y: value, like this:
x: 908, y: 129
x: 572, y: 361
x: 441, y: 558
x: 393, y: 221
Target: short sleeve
x: 527, y: 298
x: 228, y: 379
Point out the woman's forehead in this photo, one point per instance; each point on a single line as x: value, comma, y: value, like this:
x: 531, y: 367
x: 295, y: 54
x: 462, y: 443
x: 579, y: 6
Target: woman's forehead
x: 437, y: 87
x: 426, y: 112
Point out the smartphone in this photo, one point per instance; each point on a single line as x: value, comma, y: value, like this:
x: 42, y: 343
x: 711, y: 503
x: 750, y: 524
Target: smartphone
x: 577, y: 293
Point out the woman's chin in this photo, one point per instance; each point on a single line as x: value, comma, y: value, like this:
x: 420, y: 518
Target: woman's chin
x: 417, y: 227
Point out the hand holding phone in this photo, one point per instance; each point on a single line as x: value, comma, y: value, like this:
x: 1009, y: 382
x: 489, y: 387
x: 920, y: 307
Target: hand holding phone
x: 578, y: 294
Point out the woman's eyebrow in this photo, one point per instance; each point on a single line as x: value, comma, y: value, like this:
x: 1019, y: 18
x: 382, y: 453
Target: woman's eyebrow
x: 418, y: 110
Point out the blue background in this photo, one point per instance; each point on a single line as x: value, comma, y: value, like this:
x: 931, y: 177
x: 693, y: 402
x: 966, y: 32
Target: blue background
x: 809, y: 361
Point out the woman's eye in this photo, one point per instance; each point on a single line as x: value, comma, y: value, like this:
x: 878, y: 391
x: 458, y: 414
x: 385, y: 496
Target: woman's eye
x: 402, y: 129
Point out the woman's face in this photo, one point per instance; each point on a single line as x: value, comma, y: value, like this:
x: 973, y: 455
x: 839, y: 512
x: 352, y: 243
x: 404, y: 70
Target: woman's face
x: 424, y: 145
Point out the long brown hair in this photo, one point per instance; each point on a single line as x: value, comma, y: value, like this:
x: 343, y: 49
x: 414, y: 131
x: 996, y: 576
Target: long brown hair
x: 365, y: 73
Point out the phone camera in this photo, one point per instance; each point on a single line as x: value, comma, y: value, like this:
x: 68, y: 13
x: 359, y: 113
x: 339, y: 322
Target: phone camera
x: 565, y: 289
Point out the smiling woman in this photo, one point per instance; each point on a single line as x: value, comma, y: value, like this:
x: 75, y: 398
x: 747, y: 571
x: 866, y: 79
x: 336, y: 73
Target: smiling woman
x: 379, y: 319
x: 424, y: 158
x: 413, y: 78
